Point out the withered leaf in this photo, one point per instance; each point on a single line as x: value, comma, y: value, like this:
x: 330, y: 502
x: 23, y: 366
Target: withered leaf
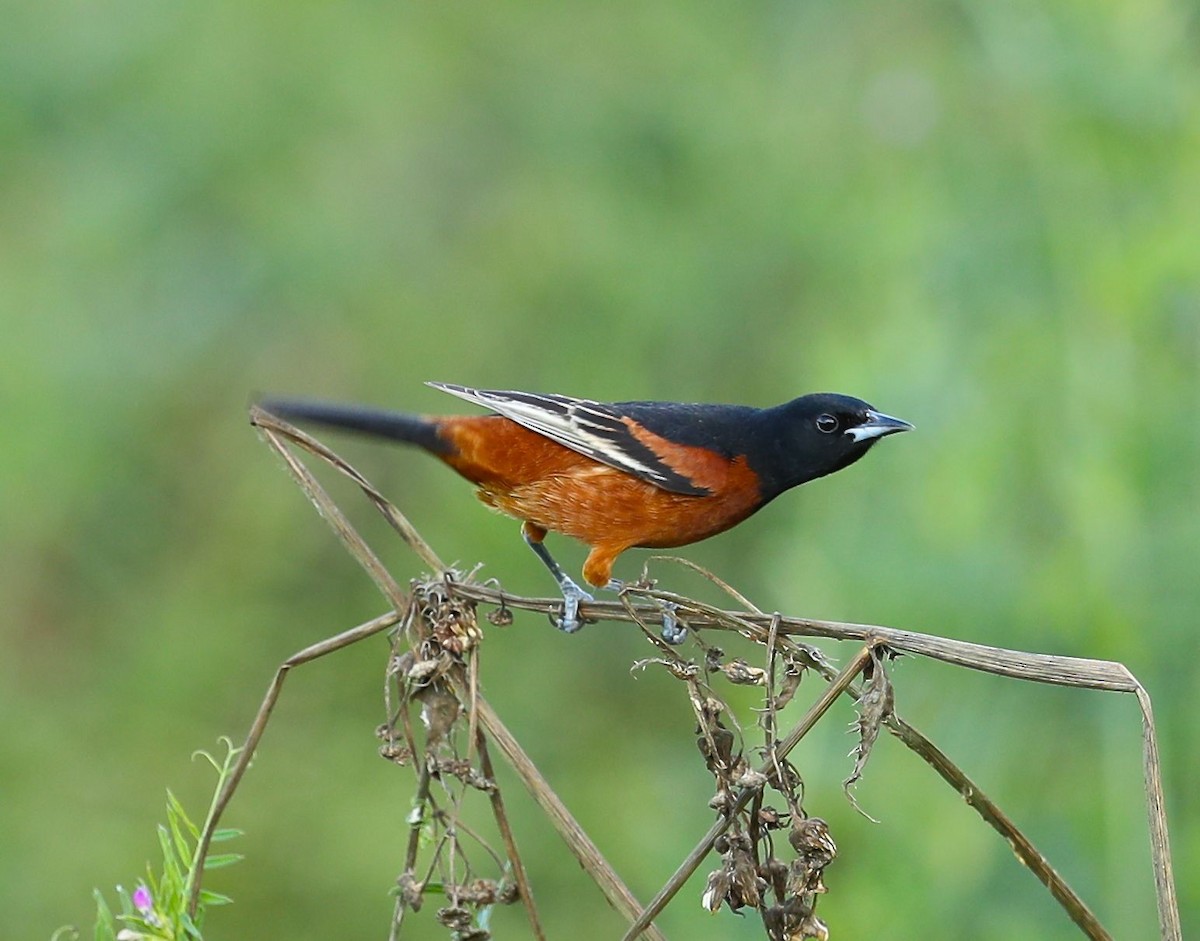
x: 789, y: 683
x: 875, y: 706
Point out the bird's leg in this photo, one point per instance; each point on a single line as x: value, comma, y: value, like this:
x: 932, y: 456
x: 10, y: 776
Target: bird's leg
x: 572, y: 593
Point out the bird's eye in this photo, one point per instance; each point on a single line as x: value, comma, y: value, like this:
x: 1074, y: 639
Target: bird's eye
x: 827, y: 424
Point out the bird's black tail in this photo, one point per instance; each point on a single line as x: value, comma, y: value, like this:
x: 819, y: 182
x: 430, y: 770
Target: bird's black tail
x: 378, y: 423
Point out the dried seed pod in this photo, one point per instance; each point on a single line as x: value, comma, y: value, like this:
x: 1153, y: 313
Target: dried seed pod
x: 741, y: 673
x: 750, y: 778
x: 716, y: 891
x: 812, y: 841
x: 717, y: 747
x: 395, y: 752
x: 745, y: 885
x: 500, y: 617
x: 420, y: 671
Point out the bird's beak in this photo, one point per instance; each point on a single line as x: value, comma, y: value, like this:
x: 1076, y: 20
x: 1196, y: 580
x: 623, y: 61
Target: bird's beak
x: 877, y: 425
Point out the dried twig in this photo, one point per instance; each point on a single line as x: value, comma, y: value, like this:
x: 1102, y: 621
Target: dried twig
x: 519, y: 873
x: 246, y: 755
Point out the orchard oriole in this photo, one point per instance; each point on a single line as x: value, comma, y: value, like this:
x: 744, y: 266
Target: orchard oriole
x: 624, y: 474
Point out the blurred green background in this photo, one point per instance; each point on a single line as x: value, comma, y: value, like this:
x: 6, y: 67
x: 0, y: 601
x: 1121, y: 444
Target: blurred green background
x: 980, y: 217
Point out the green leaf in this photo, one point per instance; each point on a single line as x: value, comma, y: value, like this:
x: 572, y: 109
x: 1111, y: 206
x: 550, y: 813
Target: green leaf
x: 178, y: 820
x: 191, y: 928
x: 106, y: 925
x: 222, y: 859
x: 172, y: 872
x: 176, y: 812
x: 126, y: 900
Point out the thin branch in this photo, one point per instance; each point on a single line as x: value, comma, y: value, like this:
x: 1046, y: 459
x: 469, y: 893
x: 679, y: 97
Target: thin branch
x: 1042, y: 668
x: 274, y: 428
x: 1028, y: 854
x: 510, y: 841
x: 1022, y: 847
x: 1164, y: 876
x: 588, y: 854
x: 345, y: 639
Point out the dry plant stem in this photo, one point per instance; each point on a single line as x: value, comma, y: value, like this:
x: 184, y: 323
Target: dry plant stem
x: 1042, y: 668
x: 519, y: 874
x: 275, y: 431
x: 769, y: 729
x: 273, y: 428
x: 259, y: 725
x: 414, y: 843
x: 779, y: 752
x: 1164, y: 878
x: 1076, y: 909
x: 705, y: 573
x: 588, y: 854
x: 414, y: 832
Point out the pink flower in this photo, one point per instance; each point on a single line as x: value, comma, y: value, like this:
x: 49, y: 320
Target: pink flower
x: 142, y: 901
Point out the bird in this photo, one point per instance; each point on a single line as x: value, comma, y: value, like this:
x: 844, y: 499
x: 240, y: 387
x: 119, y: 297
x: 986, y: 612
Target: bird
x: 619, y: 475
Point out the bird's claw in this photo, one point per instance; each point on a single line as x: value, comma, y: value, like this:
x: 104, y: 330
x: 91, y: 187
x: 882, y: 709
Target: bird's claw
x: 673, y: 632
x: 570, y: 621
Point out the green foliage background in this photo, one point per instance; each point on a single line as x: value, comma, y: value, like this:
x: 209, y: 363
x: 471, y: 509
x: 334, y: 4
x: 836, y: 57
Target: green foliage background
x: 981, y: 217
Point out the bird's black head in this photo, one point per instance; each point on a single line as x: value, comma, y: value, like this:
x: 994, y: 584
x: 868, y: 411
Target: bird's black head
x: 816, y: 435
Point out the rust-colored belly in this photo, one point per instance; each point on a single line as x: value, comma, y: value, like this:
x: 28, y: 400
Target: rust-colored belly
x: 534, y: 479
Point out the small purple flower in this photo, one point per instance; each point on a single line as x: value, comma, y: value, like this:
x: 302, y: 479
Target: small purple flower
x: 142, y: 901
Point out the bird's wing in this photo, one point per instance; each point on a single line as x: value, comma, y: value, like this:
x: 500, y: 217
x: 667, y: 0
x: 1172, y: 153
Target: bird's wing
x: 595, y: 429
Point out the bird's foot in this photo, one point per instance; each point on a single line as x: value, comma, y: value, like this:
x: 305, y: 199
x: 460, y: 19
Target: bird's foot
x: 672, y: 632
x: 570, y: 622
